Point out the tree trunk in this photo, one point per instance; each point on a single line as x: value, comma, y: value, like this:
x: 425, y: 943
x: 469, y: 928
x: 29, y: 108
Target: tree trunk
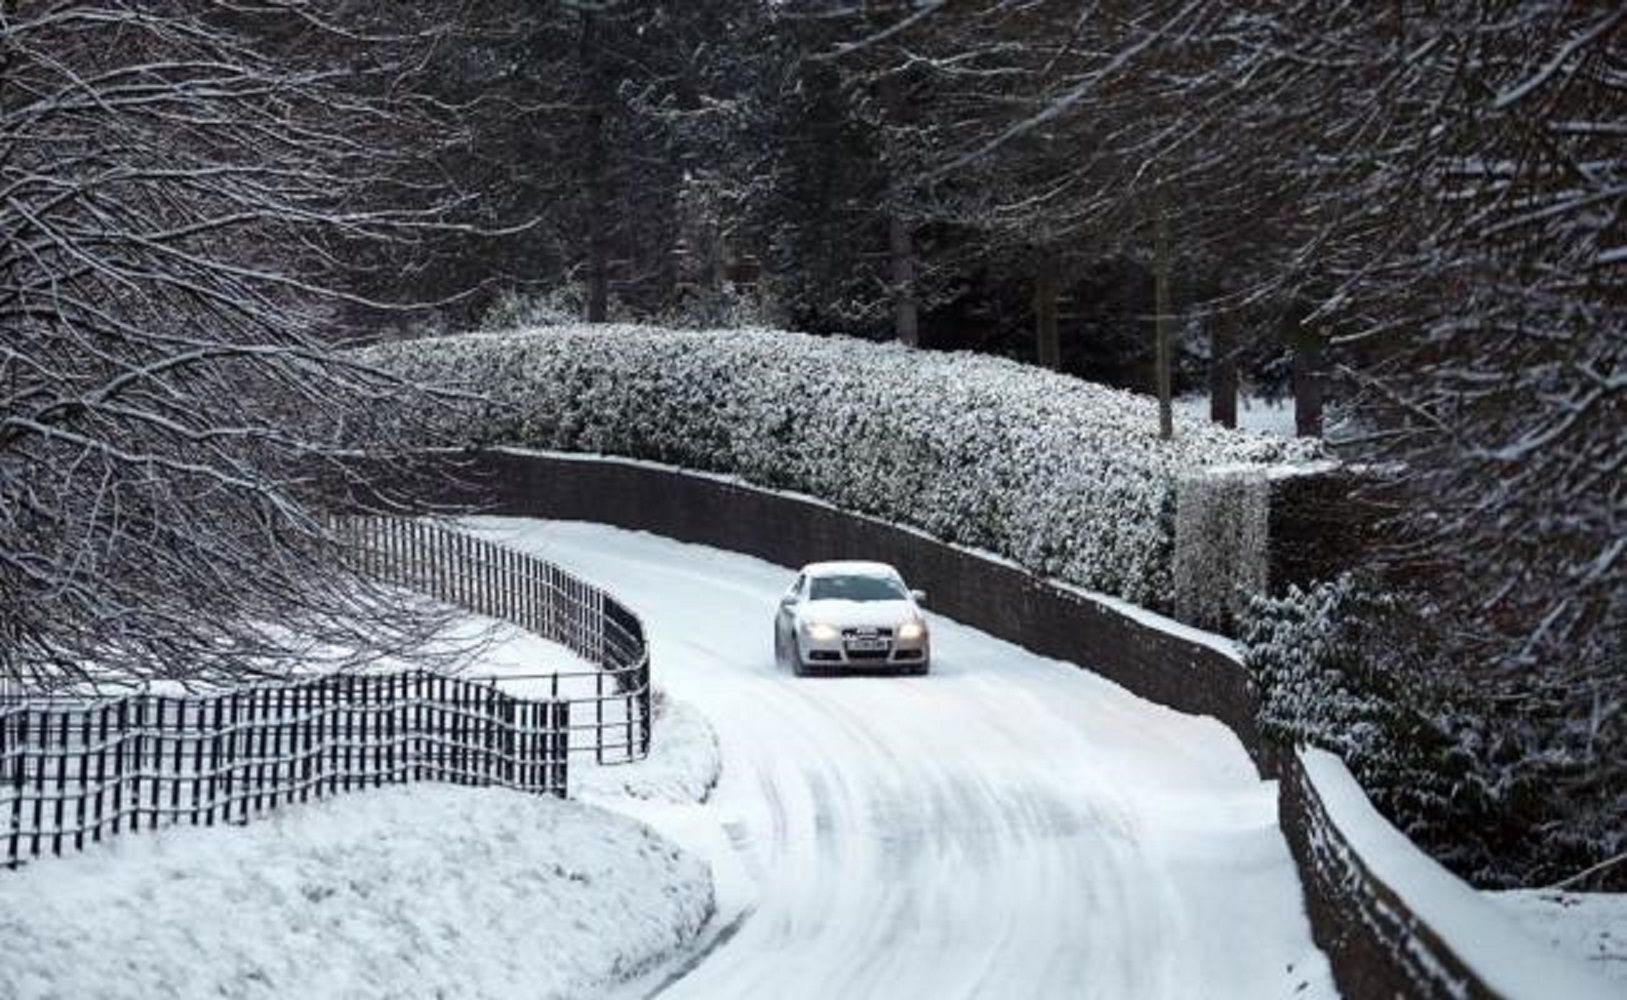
x: 1163, y: 356
x: 1308, y: 383
x: 1223, y: 369
x: 1047, y: 289
x: 597, y: 180
x: 902, y: 245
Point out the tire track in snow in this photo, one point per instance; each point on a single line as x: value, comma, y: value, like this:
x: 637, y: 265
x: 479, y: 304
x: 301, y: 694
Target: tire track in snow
x: 1006, y: 827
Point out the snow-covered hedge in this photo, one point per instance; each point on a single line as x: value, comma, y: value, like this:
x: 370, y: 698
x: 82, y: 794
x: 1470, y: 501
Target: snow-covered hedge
x: 1222, y: 524
x: 1066, y: 477
x: 1339, y: 667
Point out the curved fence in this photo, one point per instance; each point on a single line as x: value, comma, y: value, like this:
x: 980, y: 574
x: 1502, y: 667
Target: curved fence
x: 610, y: 701
x: 77, y: 770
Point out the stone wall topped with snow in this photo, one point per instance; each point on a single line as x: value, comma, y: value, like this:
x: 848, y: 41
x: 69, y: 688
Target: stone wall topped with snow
x: 1067, y: 478
x: 1393, y: 921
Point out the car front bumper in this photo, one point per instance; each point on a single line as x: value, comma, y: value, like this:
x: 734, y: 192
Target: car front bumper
x: 856, y: 654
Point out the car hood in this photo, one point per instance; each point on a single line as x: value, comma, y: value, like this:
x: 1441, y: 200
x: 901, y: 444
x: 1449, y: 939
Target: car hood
x: 857, y: 614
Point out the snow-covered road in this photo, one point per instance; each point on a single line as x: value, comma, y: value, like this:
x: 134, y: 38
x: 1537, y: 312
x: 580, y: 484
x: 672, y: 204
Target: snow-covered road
x: 1009, y: 826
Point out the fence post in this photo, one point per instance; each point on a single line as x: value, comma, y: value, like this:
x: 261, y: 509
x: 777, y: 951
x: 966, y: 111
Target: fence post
x: 391, y: 703
x: 598, y: 718
x: 259, y: 731
x: 199, y: 728
x: 282, y: 763
x: 102, y: 714
x: 155, y: 780
x: 349, y: 709
x: 82, y: 805
x: 138, y: 758
x: 229, y: 744
x: 362, y: 708
x: 59, y: 812
x: 420, y: 743
x: 509, y: 711
x: 175, y: 778
x: 561, y: 748
x: 19, y: 787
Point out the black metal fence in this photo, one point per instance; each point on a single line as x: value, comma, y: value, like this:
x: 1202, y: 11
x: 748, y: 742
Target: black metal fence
x: 611, y: 698
x: 76, y: 770
x: 73, y: 773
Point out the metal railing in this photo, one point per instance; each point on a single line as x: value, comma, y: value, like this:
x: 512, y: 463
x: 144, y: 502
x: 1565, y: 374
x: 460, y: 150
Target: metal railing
x: 74, y: 773
x: 610, y: 701
x: 76, y: 770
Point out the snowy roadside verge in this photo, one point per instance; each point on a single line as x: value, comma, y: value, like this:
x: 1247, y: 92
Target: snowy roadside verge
x: 420, y: 891
x: 1590, y: 927
x: 682, y: 767
x: 1501, y: 952
x: 424, y: 890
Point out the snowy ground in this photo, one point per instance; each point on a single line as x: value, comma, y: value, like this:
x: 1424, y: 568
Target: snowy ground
x: 415, y: 891
x: 682, y: 768
x: 424, y: 891
x: 1009, y: 826
x: 1254, y: 413
x: 1590, y: 926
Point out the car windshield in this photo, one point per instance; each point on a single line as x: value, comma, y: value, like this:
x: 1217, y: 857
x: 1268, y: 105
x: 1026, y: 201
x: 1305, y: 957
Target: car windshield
x: 855, y: 588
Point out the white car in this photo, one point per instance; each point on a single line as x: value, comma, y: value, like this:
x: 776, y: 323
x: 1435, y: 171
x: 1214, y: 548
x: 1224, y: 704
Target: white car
x: 851, y: 616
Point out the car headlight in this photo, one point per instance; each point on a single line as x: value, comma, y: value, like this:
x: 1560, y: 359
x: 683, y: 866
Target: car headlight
x: 912, y: 630
x: 822, y: 633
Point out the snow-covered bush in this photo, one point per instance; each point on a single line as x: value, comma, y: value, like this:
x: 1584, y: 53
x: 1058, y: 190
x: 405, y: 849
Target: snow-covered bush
x: 728, y: 307
x: 515, y: 309
x: 1065, y: 477
x: 1221, y: 556
x: 1314, y: 687
x: 563, y: 304
x: 1347, y: 668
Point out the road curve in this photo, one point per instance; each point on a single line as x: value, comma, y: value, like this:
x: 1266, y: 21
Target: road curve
x: 1007, y: 827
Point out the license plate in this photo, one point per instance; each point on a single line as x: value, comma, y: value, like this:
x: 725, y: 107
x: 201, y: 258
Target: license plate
x: 867, y: 645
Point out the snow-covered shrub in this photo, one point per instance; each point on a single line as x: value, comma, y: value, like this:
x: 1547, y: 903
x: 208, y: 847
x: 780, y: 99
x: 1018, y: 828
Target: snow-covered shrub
x: 1065, y: 477
x: 562, y: 304
x: 1221, y: 556
x: 729, y: 307
x: 1314, y: 687
x: 1463, y: 770
x: 1347, y: 668
x: 513, y: 309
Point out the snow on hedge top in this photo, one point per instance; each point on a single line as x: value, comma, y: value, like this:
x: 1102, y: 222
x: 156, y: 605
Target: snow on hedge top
x: 1066, y: 477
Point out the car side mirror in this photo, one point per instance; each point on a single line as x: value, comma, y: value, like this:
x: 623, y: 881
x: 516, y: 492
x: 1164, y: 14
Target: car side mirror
x: 788, y: 600
x: 919, y: 596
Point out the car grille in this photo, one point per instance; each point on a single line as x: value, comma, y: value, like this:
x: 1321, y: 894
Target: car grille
x: 868, y: 654
x: 867, y: 633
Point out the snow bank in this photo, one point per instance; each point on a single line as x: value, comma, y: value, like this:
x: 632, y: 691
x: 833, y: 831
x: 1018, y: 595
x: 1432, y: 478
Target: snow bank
x: 1507, y: 959
x: 682, y: 766
x: 427, y: 891
x: 1587, y: 926
x: 1066, y: 477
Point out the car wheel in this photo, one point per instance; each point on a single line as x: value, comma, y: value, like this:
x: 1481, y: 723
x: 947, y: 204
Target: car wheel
x: 916, y: 669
